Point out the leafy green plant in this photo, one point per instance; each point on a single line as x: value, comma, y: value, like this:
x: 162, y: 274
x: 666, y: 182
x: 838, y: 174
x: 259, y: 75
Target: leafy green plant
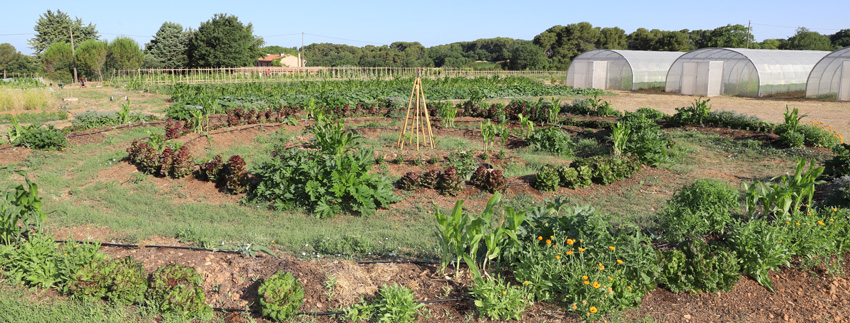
x: 759, y: 248
x: 703, y: 207
x: 463, y: 162
x: 122, y: 281
x: 32, y: 261
x: 15, y: 132
x: 553, y: 140
x: 41, y: 138
x: 839, y: 165
x: 280, y: 296
x: 73, y: 256
x: 488, y: 132
x: 699, y: 267
x: 332, y: 137
x: 553, y: 111
x: 646, y: 140
x: 696, y: 114
x: 394, y: 304
x: 450, y: 182
x: 447, y: 113
x: 21, y: 210
x: 546, y: 179
x: 175, y: 288
x: 498, y: 300
x: 526, y: 124
x: 323, y: 184
x: 619, y: 138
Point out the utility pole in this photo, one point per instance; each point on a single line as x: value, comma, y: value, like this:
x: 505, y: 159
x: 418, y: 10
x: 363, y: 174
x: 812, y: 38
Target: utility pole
x: 749, y: 30
x: 73, y: 55
x: 300, y: 56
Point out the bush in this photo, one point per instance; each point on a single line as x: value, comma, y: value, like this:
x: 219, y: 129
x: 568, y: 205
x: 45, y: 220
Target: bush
x: 450, y: 182
x: 605, y: 170
x: 552, y: 140
x: 122, y: 281
x: 323, y: 184
x: 704, y: 207
x: 498, y: 300
x: 698, y: 267
x: 280, y: 296
x: 175, y: 288
x: 408, y: 182
x: 792, y: 139
x: 839, y: 165
x: 546, y: 178
x: 756, y: 244
x: 648, y: 113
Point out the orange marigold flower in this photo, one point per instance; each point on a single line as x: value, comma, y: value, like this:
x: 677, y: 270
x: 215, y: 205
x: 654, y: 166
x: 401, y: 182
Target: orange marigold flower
x: 580, y: 249
x: 610, y: 278
x: 574, y: 306
x: 821, y: 222
x: 569, y: 253
x: 504, y: 292
x: 554, y: 247
x: 586, y: 282
x: 619, y: 261
x: 570, y: 241
x: 601, y: 267
x: 539, y: 237
x: 593, y: 309
x: 584, y: 277
x: 834, y: 209
x: 596, y: 285
x: 612, y: 248
x: 548, y: 241
x: 629, y: 287
x: 557, y: 257
x: 831, y: 220
x: 527, y: 282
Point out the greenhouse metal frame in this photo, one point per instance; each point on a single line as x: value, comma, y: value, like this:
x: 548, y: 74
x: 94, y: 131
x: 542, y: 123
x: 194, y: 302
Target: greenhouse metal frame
x: 830, y: 78
x: 741, y: 72
x: 610, y: 69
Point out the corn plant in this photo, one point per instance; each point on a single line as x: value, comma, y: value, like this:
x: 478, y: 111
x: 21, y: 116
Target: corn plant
x: 15, y: 131
x: 488, y: 132
x: 554, y: 111
x: 786, y: 195
x: 792, y: 118
x: 527, y: 125
x: 448, y: 113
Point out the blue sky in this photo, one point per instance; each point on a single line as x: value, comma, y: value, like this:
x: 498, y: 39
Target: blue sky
x: 428, y: 22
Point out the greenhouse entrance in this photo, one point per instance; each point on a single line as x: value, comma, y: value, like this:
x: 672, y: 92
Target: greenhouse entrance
x: 844, y: 87
x: 702, y: 78
x: 591, y: 74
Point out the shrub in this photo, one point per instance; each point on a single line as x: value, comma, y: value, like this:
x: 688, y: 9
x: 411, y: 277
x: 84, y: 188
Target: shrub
x: 175, y: 288
x: 408, y: 182
x: 546, y: 178
x: 463, y: 162
x: 817, y: 137
x: 280, y: 296
x: 792, y: 139
x: 698, y: 267
x: 236, y: 176
x: 450, y: 182
x: 704, y: 207
x: 498, y: 300
x: 552, y: 140
x: 430, y: 178
x: 396, y: 304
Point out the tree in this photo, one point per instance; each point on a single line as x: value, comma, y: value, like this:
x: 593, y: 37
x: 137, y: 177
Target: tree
x: 54, y: 28
x: 123, y: 54
x: 734, y: 36
x: 169, y: 47
x: 840, y: 39
x: 527, y: 56
x: 563, y: 43
x: 805, y: 39
x: 223, y: 41
x: 674, y: 41
x: 612, y: 38
x: 23, y: 64
x: 268, y: 50
x: 91, y: 57
x: 641, y: 39
x: 57, y: 61
x: 772, y: 43
x: 7, y: 55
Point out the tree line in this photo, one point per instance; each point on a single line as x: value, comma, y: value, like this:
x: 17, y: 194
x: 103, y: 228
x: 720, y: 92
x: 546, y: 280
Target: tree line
x: 224, y: 41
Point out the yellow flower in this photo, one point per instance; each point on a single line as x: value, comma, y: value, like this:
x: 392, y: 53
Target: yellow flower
x: 611, y: 279
x: 798, y: 223
x: 601, y: 267
x: 586, y: 282
x: 570, y: 241
x: 580, y: 249
x: 557, y: 257
x: 527, y: 282
x: 831, y: 220
x: 548, y: 241
x: 574, y: 307
x: 539, y: 237
x: 584, y: 277
x: 810, y: 212
x: 583, y: 302
x: 569, y: 253
x: 551, y: 237
x: 504, y: 292
x: 619, y: 261
x: 629, y: 287
x: 612, y: 248
x: 593, y: 309
x: 596, y: 285
x: 786, y: 222
x: 821, y: 222
x: 606, y: 295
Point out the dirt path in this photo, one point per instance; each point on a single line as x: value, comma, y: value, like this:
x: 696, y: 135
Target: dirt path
x: 836, y: 114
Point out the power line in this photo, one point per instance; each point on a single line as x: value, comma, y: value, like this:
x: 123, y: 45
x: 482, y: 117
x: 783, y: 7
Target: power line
x: 24, y: 34
x: 283, y: 35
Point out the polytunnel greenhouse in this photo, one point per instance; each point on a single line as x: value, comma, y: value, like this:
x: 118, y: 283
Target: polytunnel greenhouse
x: 830, y: 78
x: 741, y: 72
x: 610, y: 69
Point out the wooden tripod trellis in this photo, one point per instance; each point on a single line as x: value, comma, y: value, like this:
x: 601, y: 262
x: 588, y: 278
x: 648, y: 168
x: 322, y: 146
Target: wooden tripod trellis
x: 420, y: 121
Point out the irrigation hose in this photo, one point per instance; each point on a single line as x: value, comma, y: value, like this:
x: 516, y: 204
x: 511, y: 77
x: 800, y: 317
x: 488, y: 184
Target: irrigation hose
x: 237, y: 310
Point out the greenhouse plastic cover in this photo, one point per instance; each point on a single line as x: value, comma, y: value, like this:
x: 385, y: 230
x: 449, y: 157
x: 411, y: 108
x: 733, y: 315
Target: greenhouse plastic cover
x: 830, y: 78
x: 625, y: 70
x: 745, y: 72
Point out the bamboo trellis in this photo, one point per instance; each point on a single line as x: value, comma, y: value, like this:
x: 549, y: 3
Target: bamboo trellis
x: 420, y: 121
